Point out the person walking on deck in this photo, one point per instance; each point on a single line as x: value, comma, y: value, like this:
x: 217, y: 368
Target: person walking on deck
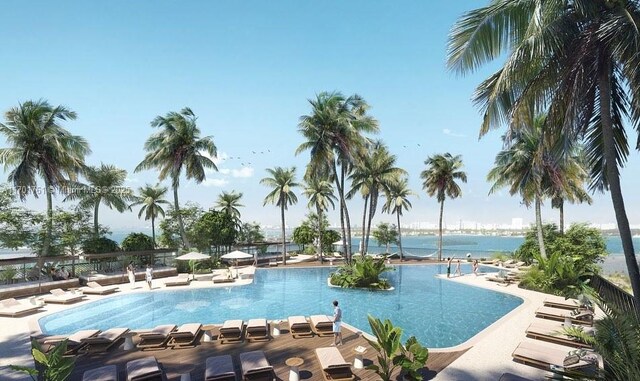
x: 337, y: 322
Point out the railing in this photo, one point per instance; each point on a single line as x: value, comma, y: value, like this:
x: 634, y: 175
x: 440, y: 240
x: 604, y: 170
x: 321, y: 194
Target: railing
x: 613, y: 295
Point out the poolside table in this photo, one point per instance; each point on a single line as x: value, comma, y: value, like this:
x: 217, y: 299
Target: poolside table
x: 294, y: 363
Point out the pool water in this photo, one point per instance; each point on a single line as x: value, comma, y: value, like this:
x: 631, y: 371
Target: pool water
x: 438, y: 312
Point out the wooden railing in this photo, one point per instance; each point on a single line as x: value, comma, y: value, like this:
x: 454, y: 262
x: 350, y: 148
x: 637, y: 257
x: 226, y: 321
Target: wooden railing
x: 613, y: 295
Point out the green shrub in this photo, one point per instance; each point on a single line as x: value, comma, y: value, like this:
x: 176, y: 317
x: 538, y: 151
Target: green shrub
x: 137, y: 242
x: 8, y: 274
x: 51, y: 366
x: 99, y: 245
x: 364, y: 272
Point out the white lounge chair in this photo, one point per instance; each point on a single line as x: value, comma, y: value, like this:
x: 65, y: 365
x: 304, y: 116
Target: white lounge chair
x: 255, y: 366
x: 63, y: 297
x: 12, y: 308
x: 333, y: 365
x: 157, y: 338
x: 299, y: 326
x: 321, y: 325
x: 95, y: 288
x: 257, y: 329
x: 180, y: 280
x: 185, y: 336
x: 231, y: 330
x: 105, y: 340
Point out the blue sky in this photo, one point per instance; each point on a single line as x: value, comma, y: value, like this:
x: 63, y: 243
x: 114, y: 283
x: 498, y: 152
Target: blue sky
x: 247, y: 69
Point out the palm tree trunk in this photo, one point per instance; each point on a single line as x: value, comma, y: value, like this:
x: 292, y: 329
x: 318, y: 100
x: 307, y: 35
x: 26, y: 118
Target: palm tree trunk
x: 561, y: 209
x: 613, y: 178
x: 399, y: 236
x: 373, y: 205
x: 364, y: 224
x: 319, y: 211
x: 342, y: 209
x: 284, y: 236
x: 96, y: 206
x: 346, y: 215
x: 46, y: 244
x: 440, y: 229
x: 538, y: 207
x: 176, y: 206
x: 153, y: 230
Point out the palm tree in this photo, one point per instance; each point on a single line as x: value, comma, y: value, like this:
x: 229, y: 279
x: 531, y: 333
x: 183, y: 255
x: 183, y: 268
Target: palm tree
x: 152, y: 198
x: 176, y: 146
x: 397, y: 195
x: 105, y: 186
x: 40, y: 147
x: 282, y: 181
x: 579, y: 60
x: 440, y: 180
x: 333, y: 135
x: 229, y: 202
x: 320, y: 194
x: 370, y: 176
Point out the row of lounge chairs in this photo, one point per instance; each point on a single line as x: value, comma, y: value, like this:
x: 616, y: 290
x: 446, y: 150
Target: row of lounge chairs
x: 552, y: 346
x: 89, y: 340
x: 254, y: 365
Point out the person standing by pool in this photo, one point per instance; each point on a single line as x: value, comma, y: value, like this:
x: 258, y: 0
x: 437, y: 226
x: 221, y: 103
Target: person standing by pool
x: 337, y: 322
x: 475, y: 267
x: 449, y: 266
x: 131, y: 272
x: 149, y: 275
x: 458, y: 272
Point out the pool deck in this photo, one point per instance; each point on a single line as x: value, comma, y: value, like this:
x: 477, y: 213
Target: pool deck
x: 484, y: 357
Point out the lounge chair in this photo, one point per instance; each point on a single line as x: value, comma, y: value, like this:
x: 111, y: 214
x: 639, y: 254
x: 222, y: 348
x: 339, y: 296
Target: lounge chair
x: 220, y: 368
x: 513, y: 265
x: 231, y: 330
x: 561, y: 302
x: 105, y: 340
x: 95, y: 288
x: 146, y: 368
x: 334, y: 367
x: 180, y: 280
x: 504, y: 280
x: 583, y: 317
x: 273, y: 263
x: 321, y: 325
x: 185, y: 336
x: 157, y: 338
x: 63, y: 297
x: 104, y: 373
x: 490, y: 262
x: 299, y: 326
x: 75, y: 342
x: 553, y: 331
x: 12, y: 308
x: 257, y: 329
x: 543, y: 355
x: 255, y: 366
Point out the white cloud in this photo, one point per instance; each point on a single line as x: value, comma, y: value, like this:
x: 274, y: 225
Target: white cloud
x: 215, y: 183
x: 447, y: 131
x: 224, y: 171
x: 243, y: 172
x: 131, y: 180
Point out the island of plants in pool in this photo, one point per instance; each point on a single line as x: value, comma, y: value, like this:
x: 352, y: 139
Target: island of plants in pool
x: 362, y: 272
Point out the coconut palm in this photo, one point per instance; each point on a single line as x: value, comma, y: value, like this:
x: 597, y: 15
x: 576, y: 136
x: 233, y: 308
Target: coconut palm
x: 440, y: 180
x: 370, y: 177
x: 105, y: 186
x: 397, y: 200
x: 229, y: 202
x: 175, y: 147
x: 333, y: 133
x: 320, y: 194
x: 282, y: 182
x: 40, y: 147
x: 151, y: 198
x: 579, y: 60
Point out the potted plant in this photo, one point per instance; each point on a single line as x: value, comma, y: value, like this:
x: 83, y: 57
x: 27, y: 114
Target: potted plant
x: 50, y: 366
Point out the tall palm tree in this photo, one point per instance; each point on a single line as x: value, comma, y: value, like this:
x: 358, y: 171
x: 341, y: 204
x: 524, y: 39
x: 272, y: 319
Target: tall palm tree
x: 152, y: 198
x: 440, y: 180
x: 370, y: 176
x: 282, y: 181
x: 579, y: 60
x: 176, y: 146
x: 105, y: 186
x: 320, y: 194
x: 229, y: 202
x: 333, y: 133
x: 40, y: 147
x: 397, y: 200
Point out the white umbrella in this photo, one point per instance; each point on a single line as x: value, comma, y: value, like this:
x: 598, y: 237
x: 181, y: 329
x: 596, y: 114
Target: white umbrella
x: 237, y: 254
x: 193, y: 256
x: 337, y: 243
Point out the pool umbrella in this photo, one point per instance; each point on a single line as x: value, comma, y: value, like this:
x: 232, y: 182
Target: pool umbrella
x: 236, y: 255
x: 193, y: 256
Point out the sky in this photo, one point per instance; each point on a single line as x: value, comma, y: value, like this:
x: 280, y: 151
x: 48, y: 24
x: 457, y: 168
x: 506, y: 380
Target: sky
x: 247, y: 70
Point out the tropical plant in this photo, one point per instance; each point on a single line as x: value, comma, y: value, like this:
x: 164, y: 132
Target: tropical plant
x: 137, y: 242
x: 282, y: 182
x: 333, y: 133
x: 51, y: 366
x: 229, y: 202
x: 250, y: 233
x: 170, y: 235
x: 440, y: 180
x: 363, y: 272
x: 320, y: 195
x: 17, y: 224
x: 385, y: 234
x: 370, y: 176
x: 397, y: 195
x: 176, y: 146
x: 105, y: 186
x: 99, y: 245
x: 304, y: 235
x: 213, y: 229
x: 151, y: 199
x: 40, y: 146
x: 578, y: 61
x: 392, y: 354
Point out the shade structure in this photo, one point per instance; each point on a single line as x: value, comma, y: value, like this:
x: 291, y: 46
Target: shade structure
x: 193, y: 256
x: 337, y: 243
x: 237, y: 254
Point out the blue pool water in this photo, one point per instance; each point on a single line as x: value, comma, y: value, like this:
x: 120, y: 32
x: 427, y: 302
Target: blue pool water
x: 438, y: 312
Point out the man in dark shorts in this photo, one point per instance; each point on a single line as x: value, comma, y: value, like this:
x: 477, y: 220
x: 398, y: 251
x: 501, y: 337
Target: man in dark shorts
x: 449, y: 266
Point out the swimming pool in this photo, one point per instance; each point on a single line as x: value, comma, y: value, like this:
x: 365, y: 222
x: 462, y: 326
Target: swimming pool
x: 438, y: 312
